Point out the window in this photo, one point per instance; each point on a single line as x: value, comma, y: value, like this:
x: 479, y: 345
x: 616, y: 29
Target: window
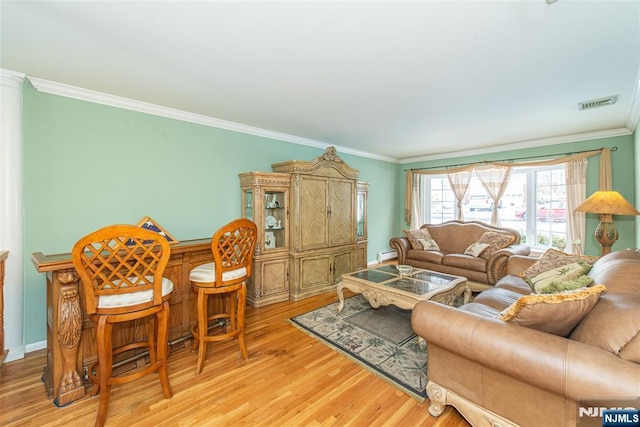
x: 534, y: 204
x: 441, y: 199
x: 550, y: 208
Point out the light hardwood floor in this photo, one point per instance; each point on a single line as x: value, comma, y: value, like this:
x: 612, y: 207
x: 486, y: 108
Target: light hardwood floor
x: 290, y: 379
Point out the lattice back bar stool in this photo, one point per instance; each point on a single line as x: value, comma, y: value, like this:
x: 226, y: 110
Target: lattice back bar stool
x: 232, y: 246
x: 121, y: 268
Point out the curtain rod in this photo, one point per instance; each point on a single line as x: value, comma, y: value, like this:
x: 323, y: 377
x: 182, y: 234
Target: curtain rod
x: 614, y: 148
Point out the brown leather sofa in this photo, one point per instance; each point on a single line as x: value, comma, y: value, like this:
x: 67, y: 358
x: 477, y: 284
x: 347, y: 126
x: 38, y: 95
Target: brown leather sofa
x: 499, y: 373
x: 453, y: 237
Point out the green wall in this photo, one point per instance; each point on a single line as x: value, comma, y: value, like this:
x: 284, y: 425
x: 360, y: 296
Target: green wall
x: 623, y: 171
x: 88, y: 165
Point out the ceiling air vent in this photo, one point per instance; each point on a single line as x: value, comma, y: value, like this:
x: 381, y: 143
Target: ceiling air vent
x: 595, y: 103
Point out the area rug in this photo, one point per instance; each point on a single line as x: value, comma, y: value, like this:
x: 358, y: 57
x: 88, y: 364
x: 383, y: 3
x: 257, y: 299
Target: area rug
x: 380, y: 340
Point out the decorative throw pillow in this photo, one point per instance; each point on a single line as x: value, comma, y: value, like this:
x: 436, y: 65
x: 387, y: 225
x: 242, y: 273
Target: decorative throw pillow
x: 476, y: 249
x: 429, y: 245
x: 553, y: 258
x: 556, y: 314
x: 414, y: 237
x: 496, y: 241
x: 567, y: 285
x: 558, y: 274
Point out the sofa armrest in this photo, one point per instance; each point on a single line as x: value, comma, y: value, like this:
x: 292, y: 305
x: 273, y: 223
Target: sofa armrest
x: 519, y: 263
x: 497, y: 263
x: 402, y: 246
x: 549, y: 362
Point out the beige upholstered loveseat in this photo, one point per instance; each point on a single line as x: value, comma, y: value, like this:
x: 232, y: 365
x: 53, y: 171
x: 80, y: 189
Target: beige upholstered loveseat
x: 453, y: 238
x: 501, y: 373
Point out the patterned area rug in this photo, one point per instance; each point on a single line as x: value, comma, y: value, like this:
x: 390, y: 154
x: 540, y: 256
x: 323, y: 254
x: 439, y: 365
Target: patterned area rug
x: 379, y: 339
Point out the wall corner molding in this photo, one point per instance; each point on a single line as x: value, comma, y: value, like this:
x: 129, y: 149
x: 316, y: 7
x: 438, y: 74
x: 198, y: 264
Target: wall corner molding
x: 8, y: 75
x: 11, y: 208
x: 634, y: 111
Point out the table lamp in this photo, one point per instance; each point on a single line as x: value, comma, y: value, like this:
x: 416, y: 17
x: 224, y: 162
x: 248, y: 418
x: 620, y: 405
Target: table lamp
x: 607, y: 204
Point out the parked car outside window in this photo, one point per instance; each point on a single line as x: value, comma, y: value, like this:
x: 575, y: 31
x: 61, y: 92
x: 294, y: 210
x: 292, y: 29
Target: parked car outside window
x: 555, y: 212
x: 480, y: 202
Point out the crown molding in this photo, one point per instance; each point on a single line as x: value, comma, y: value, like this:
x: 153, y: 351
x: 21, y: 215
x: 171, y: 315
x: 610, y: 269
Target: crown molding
x: 54, y: 88
x: 533, y: 143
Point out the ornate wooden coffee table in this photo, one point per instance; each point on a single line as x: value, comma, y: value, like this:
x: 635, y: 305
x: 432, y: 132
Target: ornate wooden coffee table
x: 384, y: 285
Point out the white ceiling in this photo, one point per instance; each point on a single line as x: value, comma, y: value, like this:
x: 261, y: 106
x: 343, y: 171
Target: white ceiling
x: 395, y: 79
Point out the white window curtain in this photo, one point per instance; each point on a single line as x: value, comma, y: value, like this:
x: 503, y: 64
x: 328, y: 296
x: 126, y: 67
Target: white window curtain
x: 460, y: 184
x: 413, y: 213
x: 417, y: 209
x: 495, y: 180
x: 576, y: 185
x: 409, y: 200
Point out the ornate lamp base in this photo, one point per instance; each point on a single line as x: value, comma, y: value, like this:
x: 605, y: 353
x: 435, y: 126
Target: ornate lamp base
x: 606, y: 233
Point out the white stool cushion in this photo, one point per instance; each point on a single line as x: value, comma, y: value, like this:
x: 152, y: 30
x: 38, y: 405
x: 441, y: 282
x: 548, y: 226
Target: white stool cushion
x: 134, y: 298
x: 206, y: 273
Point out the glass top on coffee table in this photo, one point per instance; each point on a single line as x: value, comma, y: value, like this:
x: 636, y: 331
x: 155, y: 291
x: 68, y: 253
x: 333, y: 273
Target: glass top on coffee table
x: 418, y: 281
x: 385, y: 285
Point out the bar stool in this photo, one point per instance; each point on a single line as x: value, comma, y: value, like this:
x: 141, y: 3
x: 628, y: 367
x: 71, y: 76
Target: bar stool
x: 232, y: 246
x: 121, y: 269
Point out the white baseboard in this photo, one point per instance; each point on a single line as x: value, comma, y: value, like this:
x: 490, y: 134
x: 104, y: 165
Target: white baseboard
x: 35, y: 346
x: 15, y: 354
x: 20, y: 352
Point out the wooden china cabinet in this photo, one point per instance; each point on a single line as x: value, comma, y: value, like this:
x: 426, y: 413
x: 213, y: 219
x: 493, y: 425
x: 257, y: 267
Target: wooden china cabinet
x: 313, y: 214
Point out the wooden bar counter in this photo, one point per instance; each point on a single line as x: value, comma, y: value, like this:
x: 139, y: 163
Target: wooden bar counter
x: 71, y: 349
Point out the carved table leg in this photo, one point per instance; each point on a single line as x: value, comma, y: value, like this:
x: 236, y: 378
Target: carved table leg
x: 70, y: 385
x: 340, y: 296
x: 422, y: 343
x: 467, y: 294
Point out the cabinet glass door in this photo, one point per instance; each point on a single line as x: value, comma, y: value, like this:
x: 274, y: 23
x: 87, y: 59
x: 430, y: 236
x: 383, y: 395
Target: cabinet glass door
x: 247, y: 204
x: 361, y: 211
x: 274, y: 220
x: 360, y: 217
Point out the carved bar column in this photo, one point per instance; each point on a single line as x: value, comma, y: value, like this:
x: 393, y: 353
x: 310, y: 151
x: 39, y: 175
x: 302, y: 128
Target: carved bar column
x: 64, y: 329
